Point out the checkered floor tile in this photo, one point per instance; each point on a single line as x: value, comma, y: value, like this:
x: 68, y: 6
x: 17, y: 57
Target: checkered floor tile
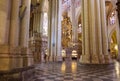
x: 74, y: 71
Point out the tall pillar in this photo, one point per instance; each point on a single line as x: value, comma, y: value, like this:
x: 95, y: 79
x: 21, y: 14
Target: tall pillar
x: 4, y: 21
x: 49, y: 29
x: 41, y: 22
x: 14, y: 25
x: 53, y: 37
x: 51, y: 26
x: 118, y: 28
x: 94, y: 43
x: 39, y: 14
x: 59, y: 55
x: 93, y: 33
x: 14, y: 33
x: 35, y: 21
x: 99, y: 30
x: 24, y: 33
x: 74, y: 22
x: 118, y: 38
x: 85, y: 58
x: 5, y: 6
x: 104, y: 31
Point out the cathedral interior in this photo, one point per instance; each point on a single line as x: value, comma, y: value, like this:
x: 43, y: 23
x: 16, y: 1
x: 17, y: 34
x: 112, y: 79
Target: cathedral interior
x: 59, y: 40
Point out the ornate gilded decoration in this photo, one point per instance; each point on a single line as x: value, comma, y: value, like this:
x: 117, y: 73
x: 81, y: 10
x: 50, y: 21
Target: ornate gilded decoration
x: 66, y: 31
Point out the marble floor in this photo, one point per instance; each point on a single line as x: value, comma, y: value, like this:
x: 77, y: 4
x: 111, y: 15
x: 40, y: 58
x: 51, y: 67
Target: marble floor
x: 74, y: 71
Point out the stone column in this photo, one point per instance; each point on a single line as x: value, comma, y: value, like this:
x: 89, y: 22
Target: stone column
x: 4, y: 21
x: 104, y: 31
x: 94, y: 43
x: 118, y: 38
x: 14, y: 33
x: 92, y: 32
x: 5, y: 6
x: 41, y: 22
x: 49, y: 29
x: 74, y: 22
x: 41, y: 17
x: 34, y: 22
x: 57, y: 30
x: 14, y: 25
x: 24, y: 30
x: 85, y: 58
x: 99, y: 30
x: 51, y: 26
x: 37, y: 21
x: 38, y: 16
x: 118, y: 28
x: 24, y: 33
x: 53, y: 29
x: 59, y: 55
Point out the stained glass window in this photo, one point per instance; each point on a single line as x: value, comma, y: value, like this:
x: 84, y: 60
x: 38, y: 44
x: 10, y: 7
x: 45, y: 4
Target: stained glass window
x: 112, y: 18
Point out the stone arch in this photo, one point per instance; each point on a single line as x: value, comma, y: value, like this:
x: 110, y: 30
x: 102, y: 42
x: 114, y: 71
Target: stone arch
x: 112, y: 31
x: 113, y: 44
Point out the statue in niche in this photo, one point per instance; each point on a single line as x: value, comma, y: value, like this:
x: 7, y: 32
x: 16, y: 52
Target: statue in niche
x: 66, y: 31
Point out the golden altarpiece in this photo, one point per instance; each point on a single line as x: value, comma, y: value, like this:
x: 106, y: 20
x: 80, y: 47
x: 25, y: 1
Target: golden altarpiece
x: 66, y: 32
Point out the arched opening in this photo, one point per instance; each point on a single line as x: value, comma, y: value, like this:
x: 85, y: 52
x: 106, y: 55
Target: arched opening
x: 111, y: 17
x: 71, y: 28
x: 113, y: 45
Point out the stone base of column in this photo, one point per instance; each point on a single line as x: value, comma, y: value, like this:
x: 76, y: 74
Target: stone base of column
x: 14, y: 57
x: 4, y: 57
x: 95, y: 59
x: 59, y: 58
x: 107, y: 59
x: 85, y: 59
x: 101, y: 59
x: 50, y: 58
x: 54, y: 58
x: 30, y: 60
x: 17, y: 58
x: 37, y: 57
x: 8, y: 58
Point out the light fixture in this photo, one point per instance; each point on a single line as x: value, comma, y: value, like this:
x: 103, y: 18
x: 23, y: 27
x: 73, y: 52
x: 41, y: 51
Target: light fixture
x: 116, y: 47
x: 79, y: 25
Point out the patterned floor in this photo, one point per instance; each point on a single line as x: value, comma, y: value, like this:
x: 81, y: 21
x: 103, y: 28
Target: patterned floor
x: 74, y: 71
